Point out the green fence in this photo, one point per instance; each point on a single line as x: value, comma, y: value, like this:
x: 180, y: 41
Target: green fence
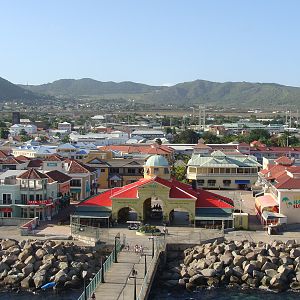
x: 97, y: 279
x: 160, y: 245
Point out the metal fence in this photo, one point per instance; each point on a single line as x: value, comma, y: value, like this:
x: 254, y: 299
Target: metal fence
x: 160, y: 245
x: 97, y: 279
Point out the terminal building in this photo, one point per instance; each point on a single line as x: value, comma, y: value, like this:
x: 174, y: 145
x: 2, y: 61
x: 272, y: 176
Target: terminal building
x: 156, y: 199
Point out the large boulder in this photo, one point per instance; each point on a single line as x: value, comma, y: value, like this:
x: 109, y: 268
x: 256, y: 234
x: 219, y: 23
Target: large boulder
x: 13, y: 279
x: 295, y: 253
x: 5, y: 244
x: 61, y: 277
x: 238, y: 260
x: 4, y: 266
x: 10, y: 259
x: 27, y: 269
x: 39, y: 279
x: 30, y: 260
x: 198, y: 279
x: 269, y: 265
x: 208, y: 272
x: 187, y: 260
x: 23, y: 255
x: 27, y: 282
x: 40, y: 253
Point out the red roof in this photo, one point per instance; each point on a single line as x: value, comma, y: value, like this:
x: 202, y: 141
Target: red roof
x: 178, y: 190
x: 144, y: 149
x: 22, y: 158
x: 283, y: 160
x: 54, y: 157
x: 32, y: 174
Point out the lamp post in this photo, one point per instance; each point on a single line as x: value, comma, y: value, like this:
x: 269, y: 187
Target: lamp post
x: 84, y: 273
x: 145, y: 263
x: 115, y: 249
x: 133, y: 275
x: 102, y: 270
x: 152, y: 238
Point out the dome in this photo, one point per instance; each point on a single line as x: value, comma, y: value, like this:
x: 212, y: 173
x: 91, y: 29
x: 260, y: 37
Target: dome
x: 157, y: 161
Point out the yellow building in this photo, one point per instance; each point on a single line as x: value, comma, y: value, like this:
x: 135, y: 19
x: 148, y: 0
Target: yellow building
x: 158, y: 198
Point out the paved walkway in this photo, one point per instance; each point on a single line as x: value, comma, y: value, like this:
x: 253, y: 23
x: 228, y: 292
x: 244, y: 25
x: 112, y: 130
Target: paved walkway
x: 115, y: 286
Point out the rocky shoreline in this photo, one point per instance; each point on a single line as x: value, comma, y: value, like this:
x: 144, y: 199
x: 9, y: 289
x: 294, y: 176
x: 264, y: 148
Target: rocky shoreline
x: 245, y: 264
x: 27, y: 265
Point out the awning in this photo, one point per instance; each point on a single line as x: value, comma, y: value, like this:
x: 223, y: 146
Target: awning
x: 210, y: 217
x: 115, y: 178
x: 5, y: 209
x: 242, y: 181
x: 264, y: 202
x: 93, y: 215
x: 75, y: 190
x: 268, y: 216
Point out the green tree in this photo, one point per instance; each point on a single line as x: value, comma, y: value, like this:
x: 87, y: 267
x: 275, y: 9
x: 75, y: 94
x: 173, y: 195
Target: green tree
x: 210, y: 138
x: 65, y: 139
x: 187, y: 136
x: 179, y: 173
x: 4, y: 133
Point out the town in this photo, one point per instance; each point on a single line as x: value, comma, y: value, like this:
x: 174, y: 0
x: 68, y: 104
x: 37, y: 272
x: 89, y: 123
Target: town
x: 152, y: 173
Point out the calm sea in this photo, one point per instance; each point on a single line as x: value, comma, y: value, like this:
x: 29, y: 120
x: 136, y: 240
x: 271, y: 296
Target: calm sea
x: 221, y: 293
x: 49, y: 295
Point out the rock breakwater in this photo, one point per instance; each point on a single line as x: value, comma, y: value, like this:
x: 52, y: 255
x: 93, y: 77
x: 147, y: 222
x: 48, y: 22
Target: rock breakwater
x: 245, y: 264
x: 27, y: 265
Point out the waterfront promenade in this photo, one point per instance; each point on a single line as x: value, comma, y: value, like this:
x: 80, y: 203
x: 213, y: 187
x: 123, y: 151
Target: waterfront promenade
x: 117, y: 284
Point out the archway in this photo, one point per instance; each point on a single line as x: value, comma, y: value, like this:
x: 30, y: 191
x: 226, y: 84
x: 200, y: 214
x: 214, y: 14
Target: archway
x: 153, y: 210
x: 179, y: 216
x: 127, y: 214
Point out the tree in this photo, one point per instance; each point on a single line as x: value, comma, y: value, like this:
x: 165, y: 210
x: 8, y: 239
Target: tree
x: 65, y: 139
x: 187, y: 136
x: 179, y: 173
x: 210, y: 138
x: 4, y: 133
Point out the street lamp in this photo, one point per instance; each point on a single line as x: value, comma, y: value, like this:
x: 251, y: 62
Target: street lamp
x: 133, y: 275
x: 115, y: 249
x: 84, y: 273
x: 145, y: 261
x: 152, y: 238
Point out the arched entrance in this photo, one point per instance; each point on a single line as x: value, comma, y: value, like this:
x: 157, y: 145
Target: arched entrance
x: 179, y: 216
x: 153, y: 210
x: 127, y: 214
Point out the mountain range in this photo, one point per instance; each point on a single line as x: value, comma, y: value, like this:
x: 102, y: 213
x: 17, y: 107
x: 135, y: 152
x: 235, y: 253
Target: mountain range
x: 193, y: 92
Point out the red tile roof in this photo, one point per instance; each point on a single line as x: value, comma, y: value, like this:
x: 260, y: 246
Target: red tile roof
x: 178, y: 190
x: 35, y: 163
x: 78, y: 167
x: 54, y: 157
x: 143, y: 149
x: 283, y: 160
x: 58, y: 176
x: 22, y: 158
x: 10, y: 160
x: 32, y: 174
x: 4, y: 153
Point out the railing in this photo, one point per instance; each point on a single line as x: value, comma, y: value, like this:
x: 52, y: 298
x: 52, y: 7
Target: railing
x: 159, y: 247
x: 97, y: 279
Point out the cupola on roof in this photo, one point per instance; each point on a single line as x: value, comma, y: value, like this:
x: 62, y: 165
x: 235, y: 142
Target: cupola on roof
x: 157, y: 161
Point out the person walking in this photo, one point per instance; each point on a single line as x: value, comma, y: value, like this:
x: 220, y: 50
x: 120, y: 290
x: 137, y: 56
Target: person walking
x: 93, y: 297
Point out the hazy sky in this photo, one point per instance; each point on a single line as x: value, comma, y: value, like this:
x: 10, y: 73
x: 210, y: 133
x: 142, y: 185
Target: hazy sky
x: 150, y: 41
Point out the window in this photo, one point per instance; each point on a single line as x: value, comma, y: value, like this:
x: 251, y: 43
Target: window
x: 156, y: 170
x: 211, y: 182
x: 166, y: 171
x: 102, y: 170
x: 114, y: 170
x: 75, y: 182
x: 31, y: 197
x: 6, y: 198
x: 7, y: 214
x: 247, y: 170
x: 52, y: 164
x: 192, y: 169
x: 131, y: 170
x: 39, y: 197
x: 222, y: 170
x: 201, y: 182
x: 240, y: 170
x: 227, y: 170
x: 227, y: 182
x: 24, y: 198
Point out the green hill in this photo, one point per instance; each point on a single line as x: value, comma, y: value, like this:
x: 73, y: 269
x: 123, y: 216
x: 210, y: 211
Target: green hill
x: 91, y: 87
x: 10, y: 91
x: 228, y: 93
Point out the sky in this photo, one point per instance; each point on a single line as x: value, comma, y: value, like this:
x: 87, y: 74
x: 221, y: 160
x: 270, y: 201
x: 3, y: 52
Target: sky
x: 157, y: 42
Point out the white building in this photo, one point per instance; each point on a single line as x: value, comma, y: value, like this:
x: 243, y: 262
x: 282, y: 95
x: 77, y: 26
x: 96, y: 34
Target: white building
x: 16, y: 129
x: 148, y: 134
x: 101, y: 139
x: 65, y: 126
